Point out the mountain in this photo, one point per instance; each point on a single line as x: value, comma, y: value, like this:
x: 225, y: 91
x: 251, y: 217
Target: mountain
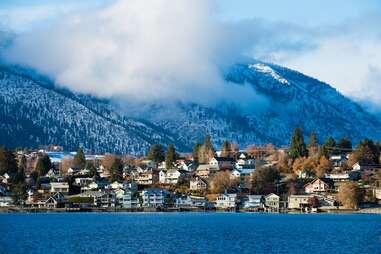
x: 35, y: 112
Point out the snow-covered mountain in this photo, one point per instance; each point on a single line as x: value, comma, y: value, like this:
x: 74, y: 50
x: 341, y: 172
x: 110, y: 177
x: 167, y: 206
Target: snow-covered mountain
x: 34, y: 112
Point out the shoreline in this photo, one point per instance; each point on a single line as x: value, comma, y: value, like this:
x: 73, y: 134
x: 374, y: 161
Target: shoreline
x: 6, y: 210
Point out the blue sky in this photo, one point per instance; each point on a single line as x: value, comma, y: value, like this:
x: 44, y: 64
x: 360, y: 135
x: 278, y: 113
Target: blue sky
x: 337, y: 41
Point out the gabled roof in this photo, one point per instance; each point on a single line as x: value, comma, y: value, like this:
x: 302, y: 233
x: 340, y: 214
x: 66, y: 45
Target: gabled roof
x: 224, y: 159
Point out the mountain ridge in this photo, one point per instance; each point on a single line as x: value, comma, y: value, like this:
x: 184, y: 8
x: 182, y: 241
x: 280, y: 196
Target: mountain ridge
x: 295, y: 100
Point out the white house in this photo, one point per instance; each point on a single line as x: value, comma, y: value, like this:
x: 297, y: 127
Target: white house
x: 254, y: 202
x: 129, y: 201
x: 226, y: 201
x: 222, y: 162
x: 154, y: 197
x: 190, y: 202
x: 6, y: 201
x: 198, y: 184
x: 272, y: 202
x: 62, y: 187
x: 299, y: 201
x: 317, y: 185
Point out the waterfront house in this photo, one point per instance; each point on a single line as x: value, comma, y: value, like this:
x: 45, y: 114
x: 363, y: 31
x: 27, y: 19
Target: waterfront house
x: 299, y: 201
x: 6, y: 201
x: 106, y: 199
x: 57, y: 200
x: 62, y: 187
x: 254, y: 202
x: 129, y: 200
x: 226, y: 201
x: 185, y: 201
x: 154, y: 198
x: 198, y: 184
x: 318, y: 185
x: 272, y: 202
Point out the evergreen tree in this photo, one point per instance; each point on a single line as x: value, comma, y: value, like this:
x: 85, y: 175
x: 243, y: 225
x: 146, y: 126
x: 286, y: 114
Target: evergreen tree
x: 92, y: 169
x: 19, y: 193
x: 208, y: 151
x: 79, y: 159
x: 116, y: 170
x: 43, y: 165
x: 19, y: 177
x: 226, y: 149
x: 156, y: 153
x: 345, y: 144
x: 298, y: 147
x: 170, y: 156
x: 8, y: 162
x: 313, y: 146
x: 196, y: 152
x: 329, y: 148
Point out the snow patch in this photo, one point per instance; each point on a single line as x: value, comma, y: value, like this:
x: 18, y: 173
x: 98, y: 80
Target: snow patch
x: 268, y: 70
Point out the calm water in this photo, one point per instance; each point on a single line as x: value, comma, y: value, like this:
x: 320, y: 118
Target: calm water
x: 189, y: 233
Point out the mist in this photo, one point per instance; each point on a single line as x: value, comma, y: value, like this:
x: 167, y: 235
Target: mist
x: 138, y: 51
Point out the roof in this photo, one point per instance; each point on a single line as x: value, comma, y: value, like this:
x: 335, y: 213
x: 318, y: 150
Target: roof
x: 327, y: 181
x: 224, y: 159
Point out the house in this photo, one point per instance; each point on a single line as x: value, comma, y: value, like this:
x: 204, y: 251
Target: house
x: 173, y: 176
x: 6, y: 201
x: 198, y: 184
x: 299, y: 201
x: 162, y: 176
x: 61, y: 187
x: 222, y: 162
x: 148, y: 163
x: 148, y: 177
x: 186, y: 165
x: 83, y: 181
x: 57, y: 200
x: 206, y: 170
x: 359, y: 166
x: 186, y: 201
x: 242, y: 172
x: 339, y: 176
x: 318, y: 185
x: 272, y: 202
x: 52, y: 173
x: 254, y: 202
x: 106, y: 199
x: 226, y: 201
x: 154, y: 198
x: 338, y: 161
x: 129, y: 200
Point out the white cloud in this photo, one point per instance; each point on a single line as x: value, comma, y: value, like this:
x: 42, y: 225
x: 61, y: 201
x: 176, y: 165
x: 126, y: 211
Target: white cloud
x: 149, y: 50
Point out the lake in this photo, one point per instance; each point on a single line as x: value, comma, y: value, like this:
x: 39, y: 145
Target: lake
x: 189, y: 233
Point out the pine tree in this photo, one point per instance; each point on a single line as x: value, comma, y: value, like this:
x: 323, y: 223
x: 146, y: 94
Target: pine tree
x: 8, y: 162
x: 196, y: 152
x: 298, y: 147
x: 313, y: 145
x: 156, y: 153
x: 226, y: 149
x: 345, y: 143
x: 329, y: 148
x: 208, y: 151
x: 116, y: 170
x: 43, y: 165
x: 79, y: 159
x: 170, y: 156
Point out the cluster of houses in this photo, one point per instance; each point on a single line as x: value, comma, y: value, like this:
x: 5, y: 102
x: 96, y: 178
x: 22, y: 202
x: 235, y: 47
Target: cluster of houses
x: 150, y: 187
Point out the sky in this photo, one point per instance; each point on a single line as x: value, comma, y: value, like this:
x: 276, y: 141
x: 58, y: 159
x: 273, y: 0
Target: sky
x: 85, y: 44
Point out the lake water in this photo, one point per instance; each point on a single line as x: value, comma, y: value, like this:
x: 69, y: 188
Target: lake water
x: 189, y: 233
